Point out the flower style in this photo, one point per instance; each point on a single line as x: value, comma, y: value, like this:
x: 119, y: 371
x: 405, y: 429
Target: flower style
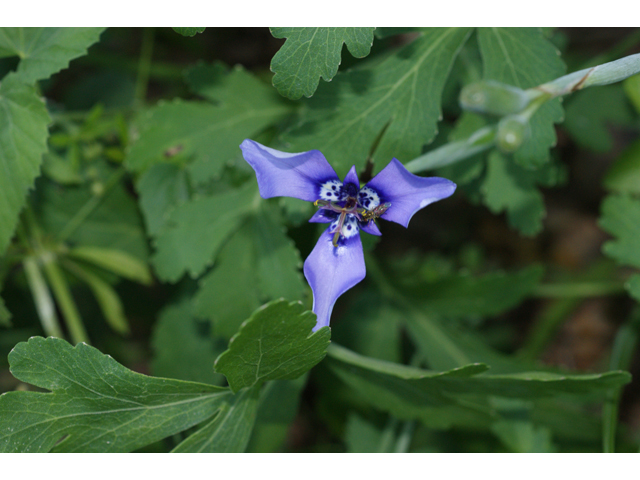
x: 337, y: 262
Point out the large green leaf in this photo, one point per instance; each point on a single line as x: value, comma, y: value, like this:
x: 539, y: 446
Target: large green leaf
x: 196, y: 230
x: 621, y: 218
x: 44, y: 51
x: 311, y: 53
x: 398, y: 97
x: 95, y: 403
x: 23, y: 141
x: 524, y: 58
x: 275, y: 343
x: 258, y: 263
x: 230, y: 430
x: 459, y: 396
x: 207, y: 134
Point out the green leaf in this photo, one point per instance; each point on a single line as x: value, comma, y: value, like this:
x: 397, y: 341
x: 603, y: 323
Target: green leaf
x: 311, y: 53
x: 275, y: 343
x: 458, y: 396
x: 229, y: 431
x: 509, y: 187
x: 115, y: 223
x: 196, y: 230
x: 589, y: 112
x: 624, y: 174
x: 257, y: 263
x: 467, y: 295
x: 398, y: 97
x: 207, y: 134
x: 184, y: 345
x: 44, y: 51
x: 107, y: 298
x: 361, y: 436
x: 621, y: 218
x: 632, y: 89
x: 23, y: 139
x: 525, y: 58
x: 115, y: 261
x: 188, y: 31
x: 161, y: 188
x: 279, y: 401
x: 523, y: 436
x: 228, y: 294
x: 95, y: 404
x: 278, y: 263
x: 633, y: 286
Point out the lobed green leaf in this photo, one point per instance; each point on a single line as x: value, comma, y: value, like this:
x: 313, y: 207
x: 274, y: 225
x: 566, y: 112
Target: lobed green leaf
x: 44, y: 51
x: 395, y: 99
x: 311, y: 53
x: 276, y: 343
x: 23, y: 140
x: 95, y: 404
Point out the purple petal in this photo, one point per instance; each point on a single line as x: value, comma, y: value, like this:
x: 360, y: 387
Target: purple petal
x: 371, y: 228
x: 351, y: 183
x: 280, y: 174
x: 407, y: 192
x: 331, y: 271
x: 323, y: 216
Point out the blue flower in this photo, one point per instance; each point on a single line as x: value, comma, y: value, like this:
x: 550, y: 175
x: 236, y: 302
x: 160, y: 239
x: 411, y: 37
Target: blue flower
x: 337, y: 262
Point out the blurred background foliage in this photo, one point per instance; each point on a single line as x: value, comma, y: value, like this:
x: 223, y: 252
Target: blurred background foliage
x: 510, y: 271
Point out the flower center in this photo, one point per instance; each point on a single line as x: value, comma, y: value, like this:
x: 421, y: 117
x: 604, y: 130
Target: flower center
x: 352, y: 206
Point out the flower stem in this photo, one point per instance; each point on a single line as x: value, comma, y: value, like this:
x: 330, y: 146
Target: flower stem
x: 144, y: 66
x: 42, y: 298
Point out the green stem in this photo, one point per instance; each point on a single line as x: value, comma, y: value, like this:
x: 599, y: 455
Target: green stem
x: 388, y: 436
x: 404, y: 438
x: 144, y: 65
x: 579, y: 289
x: 624, y: 347
x: 86, y: 210
x: 63, y: 295
x: 42, y: 298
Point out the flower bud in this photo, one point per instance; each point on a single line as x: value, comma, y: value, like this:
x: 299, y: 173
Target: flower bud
x: 493, y: 98
x: 512, y: 131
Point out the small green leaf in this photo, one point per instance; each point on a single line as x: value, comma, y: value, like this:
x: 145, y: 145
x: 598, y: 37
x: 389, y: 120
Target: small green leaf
x: 522, y: 436
x: 230, y: 429
x: 275, y: 343
x: 115, y: 261
x: 311, y: 53
x: 511, y: 188
x: 44, y: 51
x: 524, y: 58
x: 23, y: 140
x: 398, y: 96
x: 95, y: 404
x: 624, y: 174
x: 188, y: 31
x: 196, y: 230
x: 621, y: 218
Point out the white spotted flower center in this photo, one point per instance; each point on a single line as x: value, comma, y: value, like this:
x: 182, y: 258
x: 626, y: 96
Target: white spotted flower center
x: 350, y: 207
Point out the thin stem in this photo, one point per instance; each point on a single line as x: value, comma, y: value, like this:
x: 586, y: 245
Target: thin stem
x: 88, y: 208
x: 63, y: 295
x: 144, y: 65
x: 404, y: 438
x: 42, y: 298
x: 388, y: 436
x: 624, y: 347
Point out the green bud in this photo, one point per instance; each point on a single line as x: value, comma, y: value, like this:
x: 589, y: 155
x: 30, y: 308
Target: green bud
x: 512, y: 131
x: 493, y: 98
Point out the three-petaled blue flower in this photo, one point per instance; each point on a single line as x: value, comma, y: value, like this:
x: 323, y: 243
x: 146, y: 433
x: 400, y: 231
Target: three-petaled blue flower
x: 337, y: 262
